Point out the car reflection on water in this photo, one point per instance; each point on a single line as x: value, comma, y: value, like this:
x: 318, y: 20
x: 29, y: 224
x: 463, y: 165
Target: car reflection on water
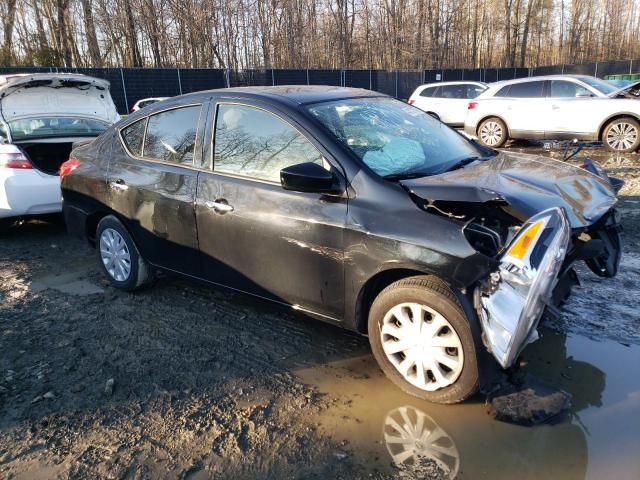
x: 394, y: 434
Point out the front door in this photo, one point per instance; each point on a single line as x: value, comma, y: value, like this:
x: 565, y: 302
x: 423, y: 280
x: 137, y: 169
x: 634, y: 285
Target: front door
x: 254, y: 235
x: 152, y: 183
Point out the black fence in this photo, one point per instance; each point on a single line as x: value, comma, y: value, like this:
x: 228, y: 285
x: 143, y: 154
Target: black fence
x: 131, y: 84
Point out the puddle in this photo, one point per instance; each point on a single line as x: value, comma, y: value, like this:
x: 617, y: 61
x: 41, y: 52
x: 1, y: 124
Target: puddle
x: 384, y: 428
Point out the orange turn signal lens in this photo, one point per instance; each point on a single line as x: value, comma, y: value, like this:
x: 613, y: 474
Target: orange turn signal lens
x: 525, y: 240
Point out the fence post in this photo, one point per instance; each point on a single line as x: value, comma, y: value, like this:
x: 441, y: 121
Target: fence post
x: 273, y: 78
x: 227, y: 77
x: 124, y: 90
x: 179, y: 81
x: 630, y: 67
x: 596, y: 72
x: 370, y: 82
x: 308, y: 77
x: 396, y: 83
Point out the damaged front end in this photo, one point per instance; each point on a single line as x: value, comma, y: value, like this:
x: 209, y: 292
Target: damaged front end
x: 514, y: 298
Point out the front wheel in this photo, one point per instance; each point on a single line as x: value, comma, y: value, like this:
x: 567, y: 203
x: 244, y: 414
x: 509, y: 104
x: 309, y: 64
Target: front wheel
x: 622, y: 135
x: 493, y: 133
x: 422, y: 340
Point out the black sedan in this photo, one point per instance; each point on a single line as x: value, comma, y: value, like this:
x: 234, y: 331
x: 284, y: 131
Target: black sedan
x: 350, y: 206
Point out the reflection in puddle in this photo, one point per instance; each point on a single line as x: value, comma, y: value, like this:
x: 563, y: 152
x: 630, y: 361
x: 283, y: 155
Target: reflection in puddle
x: 391, y: 433
x: 412, y: 436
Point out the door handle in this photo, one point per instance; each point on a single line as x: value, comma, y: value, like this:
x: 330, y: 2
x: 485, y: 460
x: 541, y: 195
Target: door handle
x: 220, y: 206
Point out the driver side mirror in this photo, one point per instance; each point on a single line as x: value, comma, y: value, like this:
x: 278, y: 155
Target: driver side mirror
x: 308, y: 177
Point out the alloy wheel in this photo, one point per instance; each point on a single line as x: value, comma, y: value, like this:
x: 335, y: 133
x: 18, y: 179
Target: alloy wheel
x: 115, y: 255
x: 491, y: 133
x: 622, y: 136
x: 422, y: 345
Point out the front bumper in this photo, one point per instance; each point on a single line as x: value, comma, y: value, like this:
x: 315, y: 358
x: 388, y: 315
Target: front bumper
x: 512, y: 302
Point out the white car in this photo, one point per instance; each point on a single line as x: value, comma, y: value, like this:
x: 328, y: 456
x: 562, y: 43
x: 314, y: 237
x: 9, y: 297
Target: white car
x: 447, y: 101
x: 557, y: 107
x: 143, y: 102
x: 41, y: 116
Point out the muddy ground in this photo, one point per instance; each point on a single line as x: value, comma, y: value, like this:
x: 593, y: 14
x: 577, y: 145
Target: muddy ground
x: 183, y: 381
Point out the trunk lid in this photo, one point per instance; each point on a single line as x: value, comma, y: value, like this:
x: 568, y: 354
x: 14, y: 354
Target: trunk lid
x: 36, y: 95
x: 529, y: 184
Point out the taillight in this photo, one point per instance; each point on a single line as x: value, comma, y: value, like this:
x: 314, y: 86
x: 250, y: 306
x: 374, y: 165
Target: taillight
x: 12, y: 157
x: 411, y: 101
x: 67, y: 167
x: 472, y: 105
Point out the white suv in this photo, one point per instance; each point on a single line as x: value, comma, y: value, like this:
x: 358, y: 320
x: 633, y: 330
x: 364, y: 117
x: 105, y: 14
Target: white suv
x: 557, y: 107
x: 447, y: 101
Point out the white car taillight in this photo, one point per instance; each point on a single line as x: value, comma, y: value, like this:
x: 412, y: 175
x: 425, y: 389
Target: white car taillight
x: 12, y: 157
x: 528, y: 273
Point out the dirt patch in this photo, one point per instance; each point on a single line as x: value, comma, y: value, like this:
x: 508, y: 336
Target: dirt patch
x: 183, y: 381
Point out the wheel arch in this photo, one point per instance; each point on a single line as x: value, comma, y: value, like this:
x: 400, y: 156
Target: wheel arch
x: 613, y: 117
x: 382, y: 279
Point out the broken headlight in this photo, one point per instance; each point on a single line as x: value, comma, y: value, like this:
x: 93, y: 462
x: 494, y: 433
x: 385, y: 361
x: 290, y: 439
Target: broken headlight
x: 528, y: 272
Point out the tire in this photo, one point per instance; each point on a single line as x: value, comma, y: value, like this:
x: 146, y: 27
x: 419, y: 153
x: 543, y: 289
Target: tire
x: 112, y: 236
x: 622, y: 135
x: 494, y: 131
x: 437, y: 303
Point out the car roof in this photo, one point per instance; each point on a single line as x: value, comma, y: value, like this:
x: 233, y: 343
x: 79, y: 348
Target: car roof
x: 456, y: 82
x: 296, y: 94
x: 540, y: 78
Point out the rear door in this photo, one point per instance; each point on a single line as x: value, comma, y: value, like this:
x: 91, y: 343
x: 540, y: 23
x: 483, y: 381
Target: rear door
x: 254, y: 235
x: 526, y: 110
x: 152, y: 183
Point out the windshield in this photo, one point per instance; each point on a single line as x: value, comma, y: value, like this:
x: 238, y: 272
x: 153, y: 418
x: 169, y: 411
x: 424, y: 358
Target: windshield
x: 47, y: 127
x: 393, y: 138
x: 600, y: 85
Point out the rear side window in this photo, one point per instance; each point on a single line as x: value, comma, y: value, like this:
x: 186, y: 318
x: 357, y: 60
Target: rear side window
x: 453, y: 91
x: 527, y: 90
x: 255, y: 143
x: 428, y: 92
x: 171, y: 135
x: 133, y: 135
x: 503, y: 92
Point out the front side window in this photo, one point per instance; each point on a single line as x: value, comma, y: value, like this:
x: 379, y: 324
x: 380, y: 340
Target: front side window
x: 454, y: 91
x: 255, y: 143
x: 393, y: 138
x: 564, y: 89
x: 133, y: 136
x: 527, y: 90
x: 171, y: 135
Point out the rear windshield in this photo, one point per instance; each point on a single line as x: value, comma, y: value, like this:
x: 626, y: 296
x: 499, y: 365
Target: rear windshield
x: 52, y: 127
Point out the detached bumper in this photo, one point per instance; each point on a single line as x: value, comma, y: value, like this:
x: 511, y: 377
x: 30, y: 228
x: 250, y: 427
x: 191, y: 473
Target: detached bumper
x: 511, y: 305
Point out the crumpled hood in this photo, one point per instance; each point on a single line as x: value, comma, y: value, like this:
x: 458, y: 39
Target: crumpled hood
x: 528, y: 183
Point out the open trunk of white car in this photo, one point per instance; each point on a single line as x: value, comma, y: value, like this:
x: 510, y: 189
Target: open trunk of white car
x: 46, y: 113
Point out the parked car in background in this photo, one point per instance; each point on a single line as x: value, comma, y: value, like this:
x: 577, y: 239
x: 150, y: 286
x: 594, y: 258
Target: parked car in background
x: 41, y: 116
x: 353, y: 207
x: 143, y: 102
x: 447, y: 101
x: 556, y: 107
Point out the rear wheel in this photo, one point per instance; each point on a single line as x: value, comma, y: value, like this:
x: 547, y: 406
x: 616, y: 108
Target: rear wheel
x: 119, y: 257
x: 422, y: 340
x: 493, y: 133
x: 622, y: 135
